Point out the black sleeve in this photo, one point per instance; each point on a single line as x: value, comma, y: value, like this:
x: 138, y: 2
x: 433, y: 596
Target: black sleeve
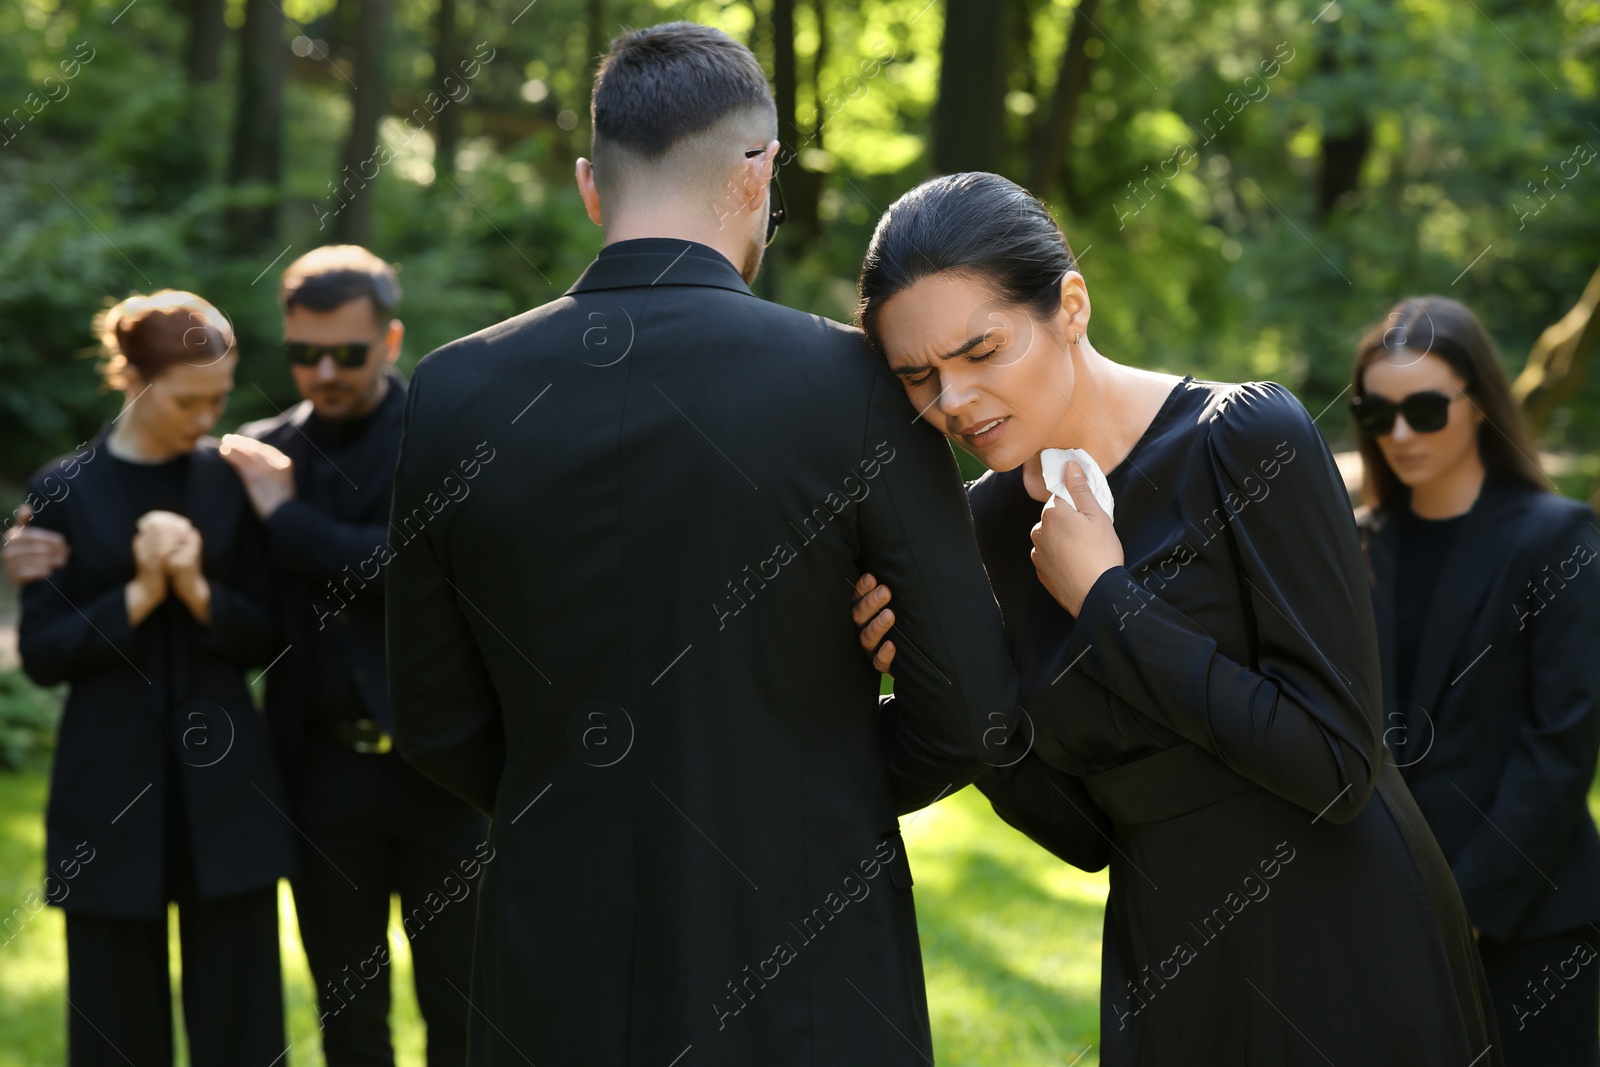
x: 66, y: 631
x: 1541, y: 803
x: 447, y: 717
x: 955, y: 702
x: 308, y: 541
x: 1052, y: 807
x: 1301, y: 720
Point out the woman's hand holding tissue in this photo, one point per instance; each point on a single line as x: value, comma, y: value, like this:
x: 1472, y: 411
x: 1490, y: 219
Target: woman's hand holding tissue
x: 1073, y: 548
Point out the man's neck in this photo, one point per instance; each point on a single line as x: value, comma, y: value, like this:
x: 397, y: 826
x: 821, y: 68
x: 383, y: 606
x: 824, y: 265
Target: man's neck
x: 677, y: 225
x: 341, y: 425
x: 373, y: 401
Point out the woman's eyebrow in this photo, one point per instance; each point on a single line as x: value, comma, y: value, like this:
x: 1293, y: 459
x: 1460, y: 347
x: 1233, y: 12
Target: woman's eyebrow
x: 967, y: 346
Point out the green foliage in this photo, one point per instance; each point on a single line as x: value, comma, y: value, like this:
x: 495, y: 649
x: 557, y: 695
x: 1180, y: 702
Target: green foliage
x: 1191, y: 188
x: 28, y: 719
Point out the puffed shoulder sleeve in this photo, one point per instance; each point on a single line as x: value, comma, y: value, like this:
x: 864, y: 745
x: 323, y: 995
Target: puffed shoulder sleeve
x: 1300, y: 714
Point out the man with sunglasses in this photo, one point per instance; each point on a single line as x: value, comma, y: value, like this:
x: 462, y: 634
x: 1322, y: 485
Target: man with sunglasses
x: 624, y: 642
x: 321, y: 474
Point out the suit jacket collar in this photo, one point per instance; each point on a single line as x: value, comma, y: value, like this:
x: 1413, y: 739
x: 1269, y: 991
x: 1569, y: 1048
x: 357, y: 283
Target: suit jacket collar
x: 651, y: 261
x: 1480, y: 549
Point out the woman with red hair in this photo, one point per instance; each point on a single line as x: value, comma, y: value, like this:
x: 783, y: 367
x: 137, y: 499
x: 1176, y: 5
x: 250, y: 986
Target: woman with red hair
x: 164, y: 788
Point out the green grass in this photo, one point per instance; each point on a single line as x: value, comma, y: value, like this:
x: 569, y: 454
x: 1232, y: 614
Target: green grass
x: 1011, y: 940
x: 33, y: 965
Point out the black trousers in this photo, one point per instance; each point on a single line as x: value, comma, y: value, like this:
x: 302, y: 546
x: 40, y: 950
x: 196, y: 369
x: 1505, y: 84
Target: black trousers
x: 1547, y: 998
x: 375, y: 827
x: 120, y: 992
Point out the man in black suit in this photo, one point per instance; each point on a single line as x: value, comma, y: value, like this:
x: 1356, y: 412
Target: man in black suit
x: 319, y: 475
x: 628, y: 637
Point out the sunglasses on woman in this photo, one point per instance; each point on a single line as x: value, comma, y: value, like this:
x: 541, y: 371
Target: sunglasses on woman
x: 1425, y: 412
x: 775, y: 219
x: 350, y: 355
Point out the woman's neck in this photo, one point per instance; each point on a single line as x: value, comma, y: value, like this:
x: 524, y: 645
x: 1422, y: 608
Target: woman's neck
x: 131, y: 442
x: 1111, y: 407
x: 1452, y: 493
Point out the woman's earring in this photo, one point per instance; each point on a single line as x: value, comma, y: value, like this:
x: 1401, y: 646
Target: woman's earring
x: 1076, y: 337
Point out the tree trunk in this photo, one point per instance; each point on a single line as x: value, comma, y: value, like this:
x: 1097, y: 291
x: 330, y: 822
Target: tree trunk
x: 802, y: 185
x: 207, y: 31
x: 785, y: 77
x: 446, y: 67
x: 969, y: 118
x: 1022, y: 44
x: 1050, y: 162
x: 368, y: 103
x: 256, y: 155
x: 1347, y: 130
x: 1556, y: 365
x: 598, y: 45
x: 341, y: 29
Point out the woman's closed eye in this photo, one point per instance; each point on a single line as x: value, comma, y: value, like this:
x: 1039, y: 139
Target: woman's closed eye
x: 927, y: 375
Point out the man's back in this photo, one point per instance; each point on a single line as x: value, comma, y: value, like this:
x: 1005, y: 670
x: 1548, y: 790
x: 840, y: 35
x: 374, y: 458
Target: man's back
x: 625, y: 530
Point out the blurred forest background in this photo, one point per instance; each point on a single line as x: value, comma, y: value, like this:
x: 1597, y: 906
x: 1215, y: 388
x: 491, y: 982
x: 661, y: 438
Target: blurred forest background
x: 1249, y: 183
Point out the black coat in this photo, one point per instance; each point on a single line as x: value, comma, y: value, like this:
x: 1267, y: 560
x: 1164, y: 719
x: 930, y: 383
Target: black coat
x: 631, y: 642
x: 328, y: 582
x: 136, y: 692
x: 1508, y: 675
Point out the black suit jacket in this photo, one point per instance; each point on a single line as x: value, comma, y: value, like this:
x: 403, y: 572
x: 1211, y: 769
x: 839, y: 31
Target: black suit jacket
x: 327, y: 574
x: 136, y: 692
x: 1501, y: 754
x: 631, y: 642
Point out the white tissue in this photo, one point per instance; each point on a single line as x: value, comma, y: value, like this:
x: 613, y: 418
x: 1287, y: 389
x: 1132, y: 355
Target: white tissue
x: 1054, y: 462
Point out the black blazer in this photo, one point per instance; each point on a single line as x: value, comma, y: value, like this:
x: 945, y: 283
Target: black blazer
x: 631, y: 642
x: 1502, y: 759
x: 135, y: 693
x: 327, y: 573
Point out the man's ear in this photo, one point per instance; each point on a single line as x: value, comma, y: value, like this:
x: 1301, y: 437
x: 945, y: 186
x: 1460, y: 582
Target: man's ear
x: 587, y: 190
x: 396, y: 334
x: 758, y: 176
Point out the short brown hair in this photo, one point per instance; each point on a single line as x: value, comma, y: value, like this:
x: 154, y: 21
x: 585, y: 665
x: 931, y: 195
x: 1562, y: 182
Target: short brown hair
x: 152, y: 333
x: 331, y: 276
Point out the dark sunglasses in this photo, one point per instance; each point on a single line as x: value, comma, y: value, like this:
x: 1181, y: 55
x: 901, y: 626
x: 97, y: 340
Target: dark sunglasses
x: 350, y: 355
x: 779, y: 210
x: 1427, y: 412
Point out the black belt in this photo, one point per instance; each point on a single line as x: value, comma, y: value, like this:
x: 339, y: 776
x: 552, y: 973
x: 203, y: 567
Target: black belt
x: 1170, y: 783
x: 358, y: 735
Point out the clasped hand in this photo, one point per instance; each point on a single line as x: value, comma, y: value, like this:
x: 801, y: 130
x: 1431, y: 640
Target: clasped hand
x: 166, y: 556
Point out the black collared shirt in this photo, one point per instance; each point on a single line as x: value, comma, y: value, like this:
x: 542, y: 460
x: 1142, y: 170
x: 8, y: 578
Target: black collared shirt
x: 347, y: 475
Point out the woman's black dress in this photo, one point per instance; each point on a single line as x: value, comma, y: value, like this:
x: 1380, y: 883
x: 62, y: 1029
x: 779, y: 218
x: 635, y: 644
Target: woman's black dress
x: 1276, y: 897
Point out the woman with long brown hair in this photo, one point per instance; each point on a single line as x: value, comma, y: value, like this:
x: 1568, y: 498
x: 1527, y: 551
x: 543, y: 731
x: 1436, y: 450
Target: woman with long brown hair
x: 164, y: 788
x: 1487, y: 597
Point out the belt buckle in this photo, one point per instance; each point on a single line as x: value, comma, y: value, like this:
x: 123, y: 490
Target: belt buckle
x: 380, y: 741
